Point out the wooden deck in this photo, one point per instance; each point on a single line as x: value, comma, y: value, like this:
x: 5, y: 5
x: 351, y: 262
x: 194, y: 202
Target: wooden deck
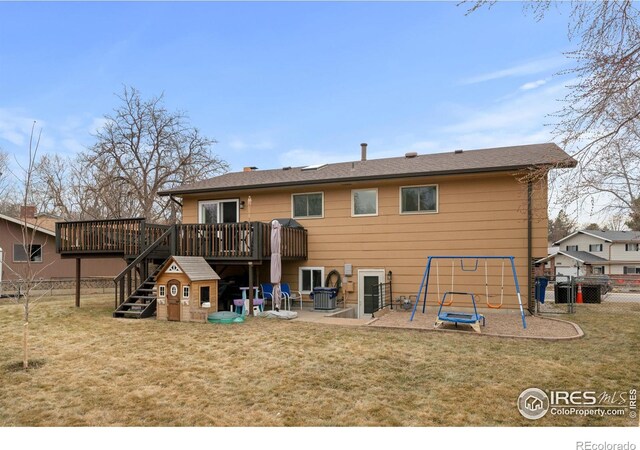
x: 128, y: 238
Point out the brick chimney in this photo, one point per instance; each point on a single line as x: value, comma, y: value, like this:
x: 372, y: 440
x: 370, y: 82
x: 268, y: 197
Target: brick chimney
x: 249, y: 169
x: 28, y: 212
x: 364, y: 152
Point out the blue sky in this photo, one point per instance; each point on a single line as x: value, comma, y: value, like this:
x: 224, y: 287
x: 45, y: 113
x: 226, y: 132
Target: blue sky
x: 281, y: 84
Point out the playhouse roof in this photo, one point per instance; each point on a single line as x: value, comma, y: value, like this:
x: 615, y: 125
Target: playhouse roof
x: 195, y: 267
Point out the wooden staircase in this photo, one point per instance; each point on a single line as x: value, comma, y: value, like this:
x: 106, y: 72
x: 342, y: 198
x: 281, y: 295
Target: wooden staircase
x: 142, y: 302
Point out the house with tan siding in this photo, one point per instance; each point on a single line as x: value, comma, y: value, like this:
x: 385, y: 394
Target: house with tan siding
x: 369, y: 220
x: 381, y: 219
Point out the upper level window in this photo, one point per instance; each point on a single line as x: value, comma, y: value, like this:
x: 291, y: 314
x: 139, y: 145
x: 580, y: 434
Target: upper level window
x: 418, y: 199
x: 595, y: 247
x: 632, y: 247
x: 571, y: 248
x: 364, y: 202
x: 307, y: 206
x: 27, y: 253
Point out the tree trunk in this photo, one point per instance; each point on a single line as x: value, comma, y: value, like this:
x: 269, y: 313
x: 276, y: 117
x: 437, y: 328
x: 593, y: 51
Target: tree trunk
x: 25, y: 346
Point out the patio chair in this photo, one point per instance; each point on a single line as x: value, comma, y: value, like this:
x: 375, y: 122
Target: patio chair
x: 295, y: 296
x: 267, y: 293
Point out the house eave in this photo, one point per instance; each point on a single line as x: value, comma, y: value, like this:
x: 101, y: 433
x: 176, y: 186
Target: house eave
x: 390, y: 176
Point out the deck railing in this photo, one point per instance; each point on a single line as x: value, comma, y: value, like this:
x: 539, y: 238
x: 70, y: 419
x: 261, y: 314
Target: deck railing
x: 131, y: 237
x: 101, y: 236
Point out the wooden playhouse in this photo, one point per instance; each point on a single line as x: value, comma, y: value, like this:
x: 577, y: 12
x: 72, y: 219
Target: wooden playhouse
x: 187, y: 289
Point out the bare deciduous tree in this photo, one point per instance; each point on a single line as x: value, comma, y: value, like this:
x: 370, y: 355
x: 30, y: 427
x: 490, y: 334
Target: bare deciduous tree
x: 25, y: 281
x: 141, y: 150
x: 599, y: 121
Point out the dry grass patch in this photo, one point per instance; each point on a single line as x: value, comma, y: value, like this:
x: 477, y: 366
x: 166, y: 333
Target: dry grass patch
x: 101, y: 371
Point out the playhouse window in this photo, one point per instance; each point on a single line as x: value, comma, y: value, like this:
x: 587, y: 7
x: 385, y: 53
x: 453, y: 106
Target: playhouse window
x: 185, y: 291
x: 162, y: 291
x: 204, y: 294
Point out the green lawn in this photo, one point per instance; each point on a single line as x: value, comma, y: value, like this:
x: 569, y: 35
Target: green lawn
x: 100, y: 371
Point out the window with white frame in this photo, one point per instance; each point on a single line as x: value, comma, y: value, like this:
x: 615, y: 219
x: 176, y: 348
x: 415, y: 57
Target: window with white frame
x: 162, y: 291
x: 309, y: 278
x: 185, y: 291
x: 632, y: 247
x: 219, y: 211
x: 595, y: 247
x: 572, y: 248
x: 598, y: 270
x: 364, y: 202
x: 419, y: 199
x: 631, y: 270
x: 307, y: 206
x: 27, y: 253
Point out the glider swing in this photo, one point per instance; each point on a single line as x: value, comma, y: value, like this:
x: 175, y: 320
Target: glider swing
x: 447, y: 299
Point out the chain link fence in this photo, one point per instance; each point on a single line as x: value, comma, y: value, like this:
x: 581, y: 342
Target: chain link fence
x: 10, y: 289
x: 612, y: 293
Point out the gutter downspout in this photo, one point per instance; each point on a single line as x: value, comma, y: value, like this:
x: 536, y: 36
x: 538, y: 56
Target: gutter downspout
x: 529, y: 242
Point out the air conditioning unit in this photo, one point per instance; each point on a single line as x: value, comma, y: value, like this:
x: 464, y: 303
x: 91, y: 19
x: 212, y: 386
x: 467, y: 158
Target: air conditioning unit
x: 324, y: 298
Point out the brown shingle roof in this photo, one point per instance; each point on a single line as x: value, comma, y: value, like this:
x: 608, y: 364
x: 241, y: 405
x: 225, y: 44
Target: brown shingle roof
x: 469, y: 161
x: 195, y: 267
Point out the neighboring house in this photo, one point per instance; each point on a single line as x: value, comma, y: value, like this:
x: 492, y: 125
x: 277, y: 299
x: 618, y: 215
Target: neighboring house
x: 371, y: 220
x: 593, y: 252
x: 46, y: 263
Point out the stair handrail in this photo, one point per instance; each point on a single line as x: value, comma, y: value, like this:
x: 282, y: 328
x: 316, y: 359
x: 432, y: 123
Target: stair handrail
x: 144, y: 254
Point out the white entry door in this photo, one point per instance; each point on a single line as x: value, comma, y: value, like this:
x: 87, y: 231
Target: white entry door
x: 368, y: 281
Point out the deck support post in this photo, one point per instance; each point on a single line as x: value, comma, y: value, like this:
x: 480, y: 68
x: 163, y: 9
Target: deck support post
x: 251, y: 288
x: 78, y: 273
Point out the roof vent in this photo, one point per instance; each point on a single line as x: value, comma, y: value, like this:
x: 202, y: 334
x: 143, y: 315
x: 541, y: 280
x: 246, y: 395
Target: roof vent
x: 457, y: 152
x: 286, y: 168
x: 411, y: 154
x: 249, y: 169
x: 314, y: 167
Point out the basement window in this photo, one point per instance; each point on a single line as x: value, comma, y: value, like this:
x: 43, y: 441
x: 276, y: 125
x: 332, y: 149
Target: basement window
x: 309, y: 278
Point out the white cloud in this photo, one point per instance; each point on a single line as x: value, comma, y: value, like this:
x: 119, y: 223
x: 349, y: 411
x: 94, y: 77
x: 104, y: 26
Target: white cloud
x: 240, y: 144
x: 15, y: 126
x: 541, y: 65
x: 533, y: 85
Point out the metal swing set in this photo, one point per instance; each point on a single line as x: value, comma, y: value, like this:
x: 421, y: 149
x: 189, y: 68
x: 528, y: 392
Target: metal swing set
x: 472, y: 319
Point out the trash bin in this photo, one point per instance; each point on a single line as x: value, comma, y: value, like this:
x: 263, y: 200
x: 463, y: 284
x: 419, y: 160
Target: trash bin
x: 564, y: 293
x: 591, y: 293
x: 324, y: 298
x: 541, y: 288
